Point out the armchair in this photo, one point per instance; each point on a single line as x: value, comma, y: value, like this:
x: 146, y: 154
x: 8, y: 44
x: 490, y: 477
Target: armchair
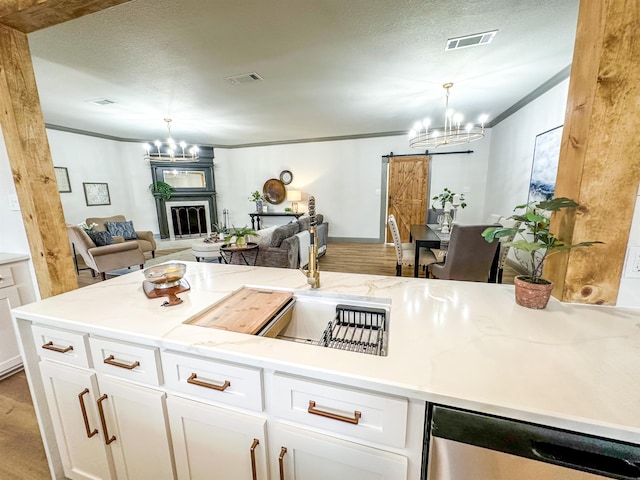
x: 105, y: 258
x: 144, y: 239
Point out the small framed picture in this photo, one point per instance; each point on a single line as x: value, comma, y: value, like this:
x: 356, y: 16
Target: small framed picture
x: 62, y: 177
x: 96, y: 194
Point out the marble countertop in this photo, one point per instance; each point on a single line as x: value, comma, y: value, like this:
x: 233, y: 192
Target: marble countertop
x: 458, y: 343
x: 12, y: 257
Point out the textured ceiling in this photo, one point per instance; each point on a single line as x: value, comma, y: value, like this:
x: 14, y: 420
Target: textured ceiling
x: 330, y: 67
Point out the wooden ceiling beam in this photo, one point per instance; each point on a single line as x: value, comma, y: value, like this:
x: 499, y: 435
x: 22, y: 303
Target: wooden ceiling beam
x: 28, y: 16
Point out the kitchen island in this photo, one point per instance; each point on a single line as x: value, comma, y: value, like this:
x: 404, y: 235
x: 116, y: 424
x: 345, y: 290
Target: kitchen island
x: 461, y: 344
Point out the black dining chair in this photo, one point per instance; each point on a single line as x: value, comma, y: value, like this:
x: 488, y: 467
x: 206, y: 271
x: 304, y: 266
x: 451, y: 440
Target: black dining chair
x: 469, y: 256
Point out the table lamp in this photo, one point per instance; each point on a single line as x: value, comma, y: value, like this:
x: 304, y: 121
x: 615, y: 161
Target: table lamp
x: 294, y: 196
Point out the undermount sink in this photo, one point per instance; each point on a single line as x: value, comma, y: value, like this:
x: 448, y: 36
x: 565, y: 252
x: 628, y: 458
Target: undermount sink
x: 345, y: 322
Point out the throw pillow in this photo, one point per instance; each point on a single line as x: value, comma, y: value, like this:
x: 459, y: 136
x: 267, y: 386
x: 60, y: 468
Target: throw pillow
x: 263, y: 239
x: 122, y: 229
x: 100, y: 238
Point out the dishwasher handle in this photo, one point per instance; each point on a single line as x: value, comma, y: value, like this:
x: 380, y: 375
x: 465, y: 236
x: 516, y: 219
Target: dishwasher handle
x: 587, y: 461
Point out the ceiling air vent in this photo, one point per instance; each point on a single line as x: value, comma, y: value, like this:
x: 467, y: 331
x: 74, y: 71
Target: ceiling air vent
x: 244, y: 78
x: 470, y: 40
x: 101, y: 101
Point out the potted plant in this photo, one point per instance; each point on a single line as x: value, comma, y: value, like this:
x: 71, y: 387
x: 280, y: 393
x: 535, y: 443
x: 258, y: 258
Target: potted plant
x: 240, y: 235
x: 161, y: 190
x: 449, y: 196
x: 218, y: 231
x: 257, y: 197
x: 538, y: 243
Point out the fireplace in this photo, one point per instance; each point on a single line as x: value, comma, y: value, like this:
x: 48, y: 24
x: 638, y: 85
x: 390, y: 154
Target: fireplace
x: 191, y: 209
x: 188, y: 219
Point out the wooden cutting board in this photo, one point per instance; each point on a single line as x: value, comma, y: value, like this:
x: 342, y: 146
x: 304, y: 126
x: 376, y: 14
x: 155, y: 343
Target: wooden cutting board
x: 245, y: 311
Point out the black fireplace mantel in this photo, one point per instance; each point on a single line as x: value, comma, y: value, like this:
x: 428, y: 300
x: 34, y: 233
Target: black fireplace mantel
x: 206, y: 193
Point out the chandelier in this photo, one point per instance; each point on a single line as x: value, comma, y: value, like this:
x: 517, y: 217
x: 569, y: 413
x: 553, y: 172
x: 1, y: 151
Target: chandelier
x: 453, y: 132
x: 170, y: 151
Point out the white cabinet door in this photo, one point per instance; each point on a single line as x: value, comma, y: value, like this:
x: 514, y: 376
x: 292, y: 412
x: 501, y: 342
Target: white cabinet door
x: 135, y: 417
x: 302, y: 455
x: 211, y: 442
x: 71, y: 395
x: 9, y: 353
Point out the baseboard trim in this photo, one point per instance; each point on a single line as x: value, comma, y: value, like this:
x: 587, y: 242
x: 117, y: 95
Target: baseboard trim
x: 354, y: 240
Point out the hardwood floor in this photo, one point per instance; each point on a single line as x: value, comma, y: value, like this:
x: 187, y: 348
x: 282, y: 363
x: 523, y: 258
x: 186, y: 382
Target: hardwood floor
x: 366, y: 258
x: 374, y: 259
x: 23, y: 455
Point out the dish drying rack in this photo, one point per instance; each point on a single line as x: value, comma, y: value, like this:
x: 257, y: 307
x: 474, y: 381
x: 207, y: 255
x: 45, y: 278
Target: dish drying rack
x: 356, y: 329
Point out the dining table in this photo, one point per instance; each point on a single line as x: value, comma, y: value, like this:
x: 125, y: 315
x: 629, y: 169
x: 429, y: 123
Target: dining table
x: 426, y: 236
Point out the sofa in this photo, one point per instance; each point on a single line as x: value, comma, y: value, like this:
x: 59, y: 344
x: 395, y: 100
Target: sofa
x: 144, y: 239
x: 279, y: 246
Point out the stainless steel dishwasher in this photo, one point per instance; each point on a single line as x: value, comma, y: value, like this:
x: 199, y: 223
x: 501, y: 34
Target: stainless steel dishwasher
x: 465, y: 445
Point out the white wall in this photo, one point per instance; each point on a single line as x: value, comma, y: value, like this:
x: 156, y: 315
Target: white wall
x: 13, y: 238
x: 512, y: 143
x: 344, y: 176
x: 630, y: 286
x: 119, y: 164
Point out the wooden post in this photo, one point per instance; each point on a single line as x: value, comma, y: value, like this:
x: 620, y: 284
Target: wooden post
x: 33, y: 174
x: 26, y: 138
x: 599, y: 163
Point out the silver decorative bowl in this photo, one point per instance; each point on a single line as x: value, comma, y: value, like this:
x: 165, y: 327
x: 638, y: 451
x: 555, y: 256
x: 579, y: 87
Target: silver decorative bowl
x: 165, y: 275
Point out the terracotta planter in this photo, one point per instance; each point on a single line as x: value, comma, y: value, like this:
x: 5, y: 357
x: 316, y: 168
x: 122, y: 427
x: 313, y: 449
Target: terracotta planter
x: 532, y: 295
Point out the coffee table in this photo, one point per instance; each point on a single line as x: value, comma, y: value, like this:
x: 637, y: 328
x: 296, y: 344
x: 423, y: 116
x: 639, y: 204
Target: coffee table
x: 228, y: 250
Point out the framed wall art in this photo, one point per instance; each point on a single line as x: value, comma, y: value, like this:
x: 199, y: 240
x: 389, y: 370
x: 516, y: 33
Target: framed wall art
x: 544, y: 170
x: 96, y: 194
x: 62, y: 177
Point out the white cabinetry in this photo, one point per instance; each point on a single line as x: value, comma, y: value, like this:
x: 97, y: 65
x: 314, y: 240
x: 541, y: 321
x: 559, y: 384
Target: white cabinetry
x: 212, y: 442
x: 343, y: 418
x: 123, y: 410
x: 72, y: 394
x: 105, y: 427
x: 15, y: 289
x: 300, y: 454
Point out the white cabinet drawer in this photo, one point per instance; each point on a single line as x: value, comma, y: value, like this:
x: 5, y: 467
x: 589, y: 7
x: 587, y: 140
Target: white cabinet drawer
x: 6, y: 277
x: 355, y: 413
x: 137, y: 363
x: 62, y: 345
x: 213, y: 380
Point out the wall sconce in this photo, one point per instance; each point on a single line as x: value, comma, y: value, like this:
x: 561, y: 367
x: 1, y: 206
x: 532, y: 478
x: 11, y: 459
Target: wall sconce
x: 294, y: 196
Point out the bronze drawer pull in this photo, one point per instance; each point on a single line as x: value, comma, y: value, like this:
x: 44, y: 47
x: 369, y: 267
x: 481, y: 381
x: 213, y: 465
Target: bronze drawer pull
x: 356, y: 415
x: 110, y: 360
x: 221, y: 388
x: 283, y: 450
x: 84, y: 414
x: 103, y: 421
x: 255, y: 443
x: 50, y: 346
